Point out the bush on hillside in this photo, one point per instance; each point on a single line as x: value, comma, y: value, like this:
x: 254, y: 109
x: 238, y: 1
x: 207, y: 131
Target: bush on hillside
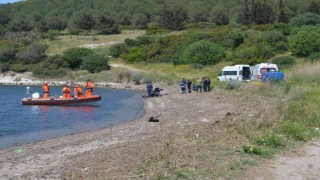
x: 54, y: 66
x: 305, y: 40
x: 7, y: 54
x: 236, y: 36
x: 273, y: 36
x: 203, y: 52
x: 32, y: 54
x: 117, y: 49
x: 305, y: 19
x: 265, y: 51
x: 95, y: 63
x: 314, y: 57
x: 18, y: 67
x: 75, y: 56
x: 156, y: 29
x: 136, y: 54
x: 284, y: 61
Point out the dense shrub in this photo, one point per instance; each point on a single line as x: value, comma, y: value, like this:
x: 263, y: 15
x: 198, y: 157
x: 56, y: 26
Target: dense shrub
x: 155, y: 29
x: 283, y: 27
x: 305, y: 40
x: 117, y: 49
x: 284, y: 61
x: 52, y: 34
x: 273, y: 36
x: 247, y: 52
x: 8, y: 54
x: 95, y: 63
x: 5, y: 67
x: 305, y: 19
x: 18, y: 67
x: 203, y: 52
x: 136, y: 54
x: 54, y: 66
x: 265, y: 51
x: 143, y: 40
x: 75, y: 56
x: 32, y: 54
x: 314, y: 57
x: 236, y: 36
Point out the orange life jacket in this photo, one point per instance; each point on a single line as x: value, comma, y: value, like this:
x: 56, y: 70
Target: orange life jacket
x: 88, y: 85
x: 77, y: 91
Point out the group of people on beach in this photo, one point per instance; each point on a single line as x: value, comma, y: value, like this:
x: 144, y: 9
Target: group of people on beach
x: 197, y: 85
x: 66, y: 91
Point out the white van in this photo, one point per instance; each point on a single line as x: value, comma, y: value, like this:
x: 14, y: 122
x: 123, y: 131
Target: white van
x: 261, y: 68
x: 239, y: 72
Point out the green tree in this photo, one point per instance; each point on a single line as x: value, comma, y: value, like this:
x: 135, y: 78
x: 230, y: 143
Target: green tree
x: 20, y: 24
x: 236, y: 36
x: 55, y: 23
x: 82, y: 21
x: 140, y: 20
x: 54, y: 66
x: 219, y: 15
x: 244, y: 16
x: 32, y: 54
x: 52, y: 34
x: 4, y: 18
x: 305, y: 40
x: 106, y: 25
x: 305, y: 19
x: 314, y: 7
x: 117, y: 49
x: 203, y: 52
x: 173, y: 18
x: 95, y: 63
x: 263, y: 13
x: 75, y: 56
x: 282, y: 16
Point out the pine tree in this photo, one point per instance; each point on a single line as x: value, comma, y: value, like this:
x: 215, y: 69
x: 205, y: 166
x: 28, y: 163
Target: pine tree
x: 282, y: 16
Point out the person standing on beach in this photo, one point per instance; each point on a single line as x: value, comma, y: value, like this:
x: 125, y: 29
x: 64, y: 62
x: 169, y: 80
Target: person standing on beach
x: 199, y: 85
x: 66, y: 91
x: 89, y: 87
x: 204, y: 84
x: 149, y: 88
x: 209, y: 84
x: 183, y: 86
x: 45, y: 90
x: 189, y: 83
x: 77, y: 91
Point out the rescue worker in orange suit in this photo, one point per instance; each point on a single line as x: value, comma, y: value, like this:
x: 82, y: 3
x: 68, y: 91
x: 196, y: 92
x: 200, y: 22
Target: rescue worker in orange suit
x: 45, y: 90
x: 89, y: 87
x: 77, y: 91
x: 66, y: 91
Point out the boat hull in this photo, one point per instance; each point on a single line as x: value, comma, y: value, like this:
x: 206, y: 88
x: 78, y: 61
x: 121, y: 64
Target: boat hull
x: 60, y: 101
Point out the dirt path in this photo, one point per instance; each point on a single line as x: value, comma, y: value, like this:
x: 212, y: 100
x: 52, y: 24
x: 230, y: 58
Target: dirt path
x: 298, y: 163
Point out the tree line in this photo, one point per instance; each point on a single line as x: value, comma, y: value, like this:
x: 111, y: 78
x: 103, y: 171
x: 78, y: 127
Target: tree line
x: 109, y: 16
x: 246, y: 31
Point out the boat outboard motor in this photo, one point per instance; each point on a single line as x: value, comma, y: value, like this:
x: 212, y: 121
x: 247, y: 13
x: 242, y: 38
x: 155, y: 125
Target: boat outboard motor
x: 28, y: 91
x: 36, y: 95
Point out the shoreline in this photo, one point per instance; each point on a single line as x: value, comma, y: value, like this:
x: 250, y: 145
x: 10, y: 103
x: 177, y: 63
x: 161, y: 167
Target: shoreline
x: 29, y: 154
x: 27, y: 79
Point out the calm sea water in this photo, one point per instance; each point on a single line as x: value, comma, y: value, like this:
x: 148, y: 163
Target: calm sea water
x: 22, y: 124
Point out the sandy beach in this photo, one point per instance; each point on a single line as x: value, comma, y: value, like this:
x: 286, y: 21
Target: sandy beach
x: 190, y: 125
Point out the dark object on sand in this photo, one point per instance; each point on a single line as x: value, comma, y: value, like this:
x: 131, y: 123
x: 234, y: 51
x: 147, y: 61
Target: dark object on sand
x: 156, y: 92
x: 154, y: 119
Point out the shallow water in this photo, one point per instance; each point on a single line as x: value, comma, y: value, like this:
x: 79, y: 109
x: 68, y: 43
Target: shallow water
x: 22, y: 124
